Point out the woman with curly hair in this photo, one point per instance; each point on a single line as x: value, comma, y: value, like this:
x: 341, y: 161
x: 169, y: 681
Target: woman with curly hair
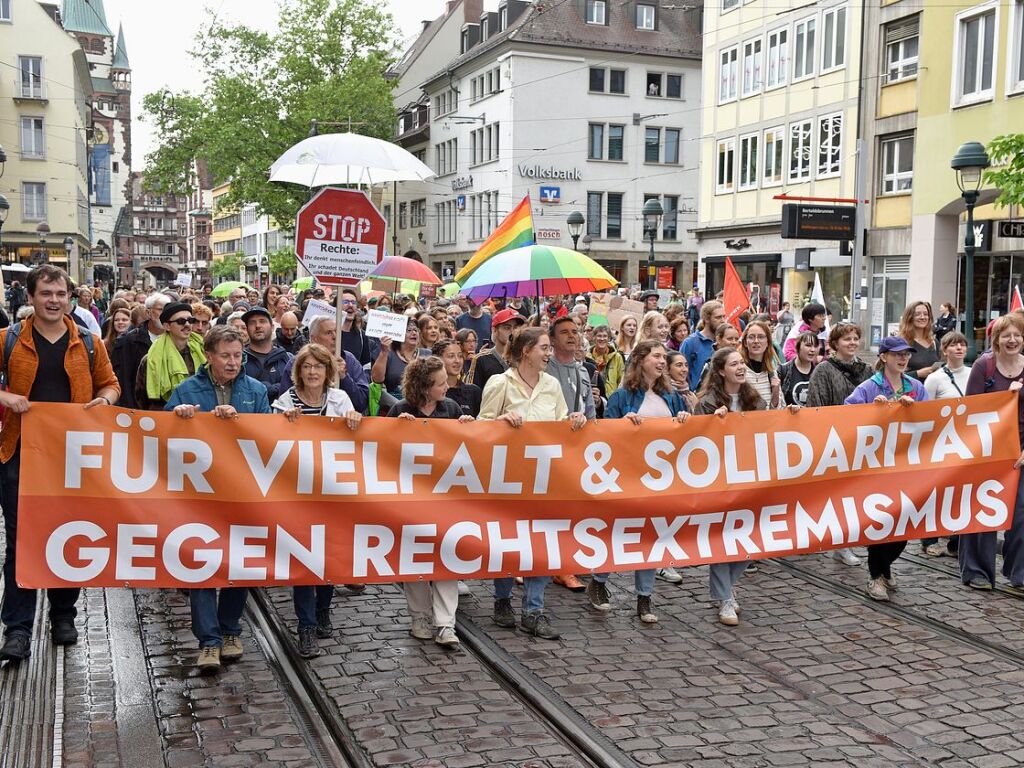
x: 678, y: 330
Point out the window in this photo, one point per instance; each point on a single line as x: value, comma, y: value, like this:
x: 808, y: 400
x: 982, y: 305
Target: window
x: 596, y: 143
x: 671, y: 155
x: 726, y: 163
x: 613, y: 227
x: 615, y: 78
x: 5, y: 10
x: 485, y: 84
x: 774, y: 150
x: 748, y: 161
x: 654, y: 84
x: 727, y: 75
x: 833, y: 39
x: 403, y: 210
x: 664, y: 85
x: 418, y: 213
x: 445, y: 215
x: 778, y: 58
x: 803, y: 55
x: 33, y: 201
x: 597, y: 149
x: 753, y: 60
x: 445, y: 103
x: 657, y: 152
x: 33, y: 142
x: 594, y: 200
x: 830, y: 145
x: 901, y: 50
x: 652, y: 145
x: 897, y: 165
x: 484, y: 216
x: 728, y: 5
x: 613, y: 219
x: 484, y: 144
x: 644, y: 16
x: 669, y: 222
x: 597, y: 79
x: 31, y: 68
x: 503, y: 17
x: 975, y: 56
x: 615, y: 141
x: 800, y: 141
x: 1015, y: 74
x: 597, y: 11
x: 447, y: 157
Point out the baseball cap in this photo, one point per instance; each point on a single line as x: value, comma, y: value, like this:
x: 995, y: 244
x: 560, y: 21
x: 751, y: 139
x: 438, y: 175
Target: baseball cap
x: 507, y: 316
x: 894, y: 344
x: 257, y: 311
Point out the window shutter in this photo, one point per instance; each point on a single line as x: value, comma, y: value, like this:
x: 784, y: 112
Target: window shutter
x: 902, y: 30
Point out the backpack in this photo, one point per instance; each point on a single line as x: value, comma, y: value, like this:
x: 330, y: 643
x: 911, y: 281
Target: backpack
x: 12, y: 338
x: 989, y: 361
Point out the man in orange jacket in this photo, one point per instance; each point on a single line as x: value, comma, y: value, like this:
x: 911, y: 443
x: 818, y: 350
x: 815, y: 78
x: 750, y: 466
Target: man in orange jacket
x: 51, y: 360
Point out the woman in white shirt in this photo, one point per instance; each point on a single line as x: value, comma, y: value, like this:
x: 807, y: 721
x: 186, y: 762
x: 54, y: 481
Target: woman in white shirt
x: 759, y: 355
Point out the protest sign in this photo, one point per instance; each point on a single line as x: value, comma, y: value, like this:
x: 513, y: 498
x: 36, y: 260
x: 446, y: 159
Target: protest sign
x: 380, y: 324
x: 316, y: 308
x: 599, y: 308
x: 183, y: 280
x: 124, y: 498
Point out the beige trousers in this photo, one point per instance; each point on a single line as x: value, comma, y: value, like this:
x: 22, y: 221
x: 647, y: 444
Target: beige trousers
x: 435, y: 601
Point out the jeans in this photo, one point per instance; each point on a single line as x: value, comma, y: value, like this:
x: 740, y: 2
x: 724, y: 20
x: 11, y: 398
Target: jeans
x: 643, y: 581
x: 882, y: 556
x: 533, y: 592
x: 19, y: 605
x: 723, y: 577
x: 214, y: 616
x: 310, y: 599
x: 977, y: 553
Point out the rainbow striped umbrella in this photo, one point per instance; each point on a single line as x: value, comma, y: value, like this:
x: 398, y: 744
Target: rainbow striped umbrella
x: 536, y: 270
x: 400, y: 268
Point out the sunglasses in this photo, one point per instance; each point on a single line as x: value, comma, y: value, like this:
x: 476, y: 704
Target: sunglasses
x: 183, y: 321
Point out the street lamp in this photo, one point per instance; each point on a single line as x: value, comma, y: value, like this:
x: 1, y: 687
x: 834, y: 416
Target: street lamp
x: 3, y: 160
x: 969, y: 162
x: 5, y: 209
x: 69, y: 244
x: 652, y: 216
x: 42, y: 230
x: 575, y: 221
x: 588, y: 240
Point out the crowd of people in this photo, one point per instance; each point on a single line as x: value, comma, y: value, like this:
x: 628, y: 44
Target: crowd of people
x: 509, y: 362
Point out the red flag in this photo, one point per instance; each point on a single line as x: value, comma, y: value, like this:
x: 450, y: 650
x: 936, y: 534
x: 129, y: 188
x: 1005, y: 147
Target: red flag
x: 1015, y: 302
x: 736, y: 299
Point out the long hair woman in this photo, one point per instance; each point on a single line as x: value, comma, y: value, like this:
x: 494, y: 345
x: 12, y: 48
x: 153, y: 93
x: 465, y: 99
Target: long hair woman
x: 916, y: 328
x: 626, y: 338
x: 465, y: 394
x: 525, y: 392
x: 654, y: 327
x: 679, y: 329
x: 118, y: 321
x: 762, y: 364
x: 392, y: 359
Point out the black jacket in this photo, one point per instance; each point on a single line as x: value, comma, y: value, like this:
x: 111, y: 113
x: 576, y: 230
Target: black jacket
x: 269, y: 371
x: 291, y: 347
x: 129, y: 349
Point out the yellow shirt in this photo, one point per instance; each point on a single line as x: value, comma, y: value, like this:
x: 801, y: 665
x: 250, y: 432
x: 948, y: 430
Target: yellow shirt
x: 506, y: 393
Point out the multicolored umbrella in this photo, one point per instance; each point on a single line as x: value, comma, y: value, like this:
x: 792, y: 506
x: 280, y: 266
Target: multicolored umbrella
x: 536, y: 270
x: 401, y: 268
x: 223, y: 290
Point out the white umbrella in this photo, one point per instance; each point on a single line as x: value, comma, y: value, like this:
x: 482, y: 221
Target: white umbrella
x: 347, y: 158
x: 17, y: 267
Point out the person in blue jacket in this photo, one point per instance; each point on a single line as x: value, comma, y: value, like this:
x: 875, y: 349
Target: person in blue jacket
x: 646, y: 392
x: 219, y: 387
x: 890, y: 383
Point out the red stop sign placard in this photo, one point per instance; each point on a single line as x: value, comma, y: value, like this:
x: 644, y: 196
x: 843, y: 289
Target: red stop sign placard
x: 339, y: 236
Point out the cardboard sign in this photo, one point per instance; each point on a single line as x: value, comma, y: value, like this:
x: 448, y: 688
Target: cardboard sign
x: 316, y: 308
x: 183, y: 280
x: 380, y: 324
x: 600, y: 306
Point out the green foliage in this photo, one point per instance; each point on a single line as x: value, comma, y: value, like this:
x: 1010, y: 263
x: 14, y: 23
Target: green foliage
x: 1007, y: 174
x: 282, y: 262
x: 228, y: 267
x: 325, y: 62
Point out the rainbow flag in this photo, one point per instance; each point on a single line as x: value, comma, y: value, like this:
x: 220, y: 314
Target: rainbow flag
x: 514, y: 232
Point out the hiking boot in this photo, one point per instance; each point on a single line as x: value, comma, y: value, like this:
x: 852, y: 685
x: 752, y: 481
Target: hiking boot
x: 209, y: 660
x: 446, y: 636
x: 643, y: 610
x: 890, y: 583
x: 570, y: 582
x: 979, y: 583
x: 671, y: 575
x: 323, y: 623
x: 463, y: 588
x: 727, y: 613
x: 63, y: 632
x: 845, y: 556
x: 356, y: 589
x: 539, y: 625
x: 17, y: 647
x: 232, y: 649
x: 876, y: 590
x: 503, y: 615
x: 421, y: 629
x: 597, y: 591
x: 308, y: 648
x: 938, y: 549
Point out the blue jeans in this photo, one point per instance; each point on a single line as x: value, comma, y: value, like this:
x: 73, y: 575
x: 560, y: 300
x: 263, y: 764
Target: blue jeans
x: 19, y: 604
x: 213, y: 618
x: 642, y: 580
x: 308, y: 600
x: 533, y: 592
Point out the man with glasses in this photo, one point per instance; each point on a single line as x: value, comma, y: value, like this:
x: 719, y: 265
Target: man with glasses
x: 353, y: 340
x: 172, y: 358
x: 265, y: 361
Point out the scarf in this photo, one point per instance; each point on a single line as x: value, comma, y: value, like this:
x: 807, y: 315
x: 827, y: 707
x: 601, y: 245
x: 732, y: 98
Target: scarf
x: 165, y: 367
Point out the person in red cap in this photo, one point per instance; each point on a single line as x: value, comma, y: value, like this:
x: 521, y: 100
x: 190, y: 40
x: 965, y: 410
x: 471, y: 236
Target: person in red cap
x: 492, y: 362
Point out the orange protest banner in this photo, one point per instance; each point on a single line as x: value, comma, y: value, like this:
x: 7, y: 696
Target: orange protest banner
x: 119, y: 498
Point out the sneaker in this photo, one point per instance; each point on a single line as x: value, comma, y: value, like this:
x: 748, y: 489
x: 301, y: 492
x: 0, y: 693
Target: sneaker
x: 421, y: 629
x: 503, y: 615
x: 938, y: 549
x: 671, y: 575
x: 979, y: 583
x: 876, y: 590
x: 727, y: 613
x: 643, y: 610
x: 356, y: 589
x: 752, y: 567
x: 323, y: 623
x: 845, y: 556
x: 308, y: 649
x: 63, y: 632
x: 17, y: 647
x: 570, y: 582
x: 463, y: 588
x: 232, y: 649
x: 890, y: 583
x: 597, y: 591
x: 209, y: 659
x: 446, y: 636
x: 539, y: 625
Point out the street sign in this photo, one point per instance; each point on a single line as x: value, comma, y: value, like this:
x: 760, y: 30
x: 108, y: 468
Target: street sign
x: 818, y: 222
x: 339, y: 236
x: 1011, y: 228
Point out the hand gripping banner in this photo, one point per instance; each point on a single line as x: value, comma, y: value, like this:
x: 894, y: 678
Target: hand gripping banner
x: 111, y: 497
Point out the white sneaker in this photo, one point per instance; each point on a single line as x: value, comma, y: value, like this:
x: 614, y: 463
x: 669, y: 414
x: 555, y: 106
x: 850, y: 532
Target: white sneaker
x: 446, y: 636
x: 876, y: 590
x: 727, y: 613
x: 671, y: 575
x: 845, y: 556
x: 463, y: 588
x: 890, y: 583
x: 421, y: 629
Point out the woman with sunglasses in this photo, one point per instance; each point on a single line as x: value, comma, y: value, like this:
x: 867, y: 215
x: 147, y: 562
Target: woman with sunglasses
x: 173, y: 357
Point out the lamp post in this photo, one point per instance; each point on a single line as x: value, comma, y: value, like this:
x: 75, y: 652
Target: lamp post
x: 652, y: 216
x: 69, y: 245
x: 3, y: 160
x: 5, y: 209
x: 42, y: 230
x: 969, y: 162
x: 588, y: 241
x: 575, y: 222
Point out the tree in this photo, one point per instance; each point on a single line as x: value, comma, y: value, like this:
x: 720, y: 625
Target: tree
x: 282, y: 262
x: 326, y: 62
x: 1007, y: 155
x: 227, y: 268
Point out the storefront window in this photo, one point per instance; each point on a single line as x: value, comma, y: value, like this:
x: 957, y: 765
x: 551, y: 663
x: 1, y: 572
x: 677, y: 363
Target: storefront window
x: 835, y: 285
x: 994, y: 278
x: 761, y: 273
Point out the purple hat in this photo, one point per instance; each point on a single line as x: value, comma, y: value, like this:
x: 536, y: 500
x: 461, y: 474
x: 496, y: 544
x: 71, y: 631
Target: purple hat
x: 894, y: 344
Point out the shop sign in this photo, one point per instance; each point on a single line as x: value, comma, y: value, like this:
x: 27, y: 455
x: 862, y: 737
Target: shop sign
x: 548, y: 234
x: 462, y: 182
x: 1011, y: 228
x: 551, y: 194
x: 551, y: 172
x: 818, y: 222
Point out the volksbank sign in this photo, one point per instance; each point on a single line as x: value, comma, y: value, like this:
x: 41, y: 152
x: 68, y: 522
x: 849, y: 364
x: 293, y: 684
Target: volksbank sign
x: 538, y: 172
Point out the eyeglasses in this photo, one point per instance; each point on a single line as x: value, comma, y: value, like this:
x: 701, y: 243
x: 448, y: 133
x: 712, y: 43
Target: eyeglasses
x: 183, y: 321
x: 347, y: 302
x: 313, y: 367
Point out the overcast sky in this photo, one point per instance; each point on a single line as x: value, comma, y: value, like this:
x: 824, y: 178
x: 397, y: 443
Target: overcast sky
x: 159, y: 36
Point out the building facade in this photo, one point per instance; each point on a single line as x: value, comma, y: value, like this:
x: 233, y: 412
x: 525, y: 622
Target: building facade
x: 780, y: 116
x: 261, y: 236
x: 45, y: 105
x: 159, y: 232
x: 199, y: 221
x: 226, y: 227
